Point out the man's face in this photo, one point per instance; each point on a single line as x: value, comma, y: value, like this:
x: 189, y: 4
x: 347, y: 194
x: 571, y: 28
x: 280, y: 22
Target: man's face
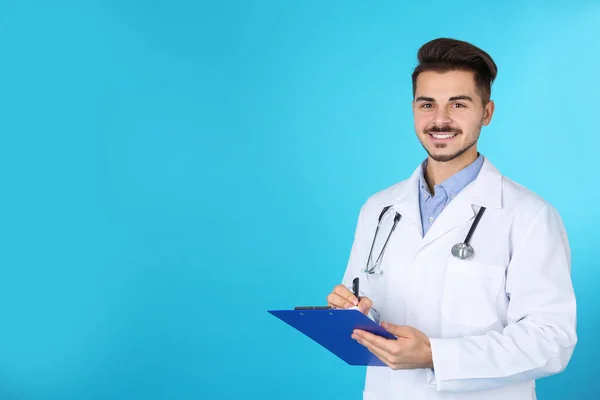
x: 449, y: 114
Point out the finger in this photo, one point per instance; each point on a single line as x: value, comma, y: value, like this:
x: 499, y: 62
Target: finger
x: 383, y: 344
x: 343, y: 291
x: 365, y: 305
x: 337, y: 301
x: 378, y: 352
x: 398, y: 330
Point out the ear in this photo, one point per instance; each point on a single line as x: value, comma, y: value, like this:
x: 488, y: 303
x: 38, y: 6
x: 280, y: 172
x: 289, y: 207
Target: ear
x: 488, y: 113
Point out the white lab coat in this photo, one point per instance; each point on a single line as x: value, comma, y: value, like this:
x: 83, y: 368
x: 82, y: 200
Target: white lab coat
x: 497, y: 321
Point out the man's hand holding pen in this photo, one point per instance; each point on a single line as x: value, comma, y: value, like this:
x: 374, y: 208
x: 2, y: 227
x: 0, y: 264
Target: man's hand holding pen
x: 341, y: 297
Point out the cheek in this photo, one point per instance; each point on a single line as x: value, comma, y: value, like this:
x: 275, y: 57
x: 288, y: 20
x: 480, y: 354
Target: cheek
x: 466, y: 120
x: 421, y: 122
x: 467, y: 124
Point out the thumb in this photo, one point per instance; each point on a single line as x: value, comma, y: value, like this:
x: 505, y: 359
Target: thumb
x: 397, y: 330
x: 365, y: 305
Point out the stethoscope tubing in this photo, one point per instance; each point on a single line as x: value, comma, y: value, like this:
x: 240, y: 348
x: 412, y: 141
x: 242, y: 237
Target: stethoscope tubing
x: 397, y: 218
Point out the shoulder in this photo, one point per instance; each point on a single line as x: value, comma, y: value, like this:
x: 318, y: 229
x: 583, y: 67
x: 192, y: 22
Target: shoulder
x: 509, y: 196
x: 532, y: 220
x: 387, y: 195
x: 375, y: 203
x: 518, y: 198
x: 527, y: 211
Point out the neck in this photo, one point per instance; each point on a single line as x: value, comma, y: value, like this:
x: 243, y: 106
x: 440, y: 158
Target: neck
x: 437, y: 171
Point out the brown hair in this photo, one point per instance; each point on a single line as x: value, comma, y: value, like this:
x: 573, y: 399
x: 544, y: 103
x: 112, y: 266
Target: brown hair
x: 446, y: 54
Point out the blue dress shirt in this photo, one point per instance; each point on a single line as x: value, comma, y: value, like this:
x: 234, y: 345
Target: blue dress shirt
x: 432, y: 205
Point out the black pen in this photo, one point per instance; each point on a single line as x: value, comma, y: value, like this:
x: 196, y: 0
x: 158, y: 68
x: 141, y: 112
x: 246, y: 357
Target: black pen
x: 355, y: 288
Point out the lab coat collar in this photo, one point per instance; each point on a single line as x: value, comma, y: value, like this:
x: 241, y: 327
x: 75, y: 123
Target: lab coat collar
x: 484, y: 191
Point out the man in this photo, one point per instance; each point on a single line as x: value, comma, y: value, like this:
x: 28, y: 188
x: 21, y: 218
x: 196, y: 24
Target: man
x: 478, y: 322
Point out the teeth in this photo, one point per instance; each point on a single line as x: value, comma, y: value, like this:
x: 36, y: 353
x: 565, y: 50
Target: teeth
x: 446, y: 136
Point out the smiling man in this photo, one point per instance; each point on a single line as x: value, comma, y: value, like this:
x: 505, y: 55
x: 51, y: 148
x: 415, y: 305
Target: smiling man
x: 474, y: 280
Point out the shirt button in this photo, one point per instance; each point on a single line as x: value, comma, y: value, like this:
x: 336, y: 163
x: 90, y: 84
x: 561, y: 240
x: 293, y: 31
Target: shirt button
x: 430, y: 219
x: 452, y: 195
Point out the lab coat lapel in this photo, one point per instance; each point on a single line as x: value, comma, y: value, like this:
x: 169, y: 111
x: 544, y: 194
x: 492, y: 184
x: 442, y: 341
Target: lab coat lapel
x: 406, y: 200
x: 459, y: 211
x: 484, y: 191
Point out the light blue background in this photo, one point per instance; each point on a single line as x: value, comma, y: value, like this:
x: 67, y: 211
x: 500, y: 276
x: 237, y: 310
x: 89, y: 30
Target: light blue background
x: 172, y: 169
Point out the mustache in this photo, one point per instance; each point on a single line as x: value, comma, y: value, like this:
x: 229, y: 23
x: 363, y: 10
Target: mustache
x: 442, y: 129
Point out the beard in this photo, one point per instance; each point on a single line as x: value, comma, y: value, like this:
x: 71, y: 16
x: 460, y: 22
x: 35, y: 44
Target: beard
x: 447, y: 129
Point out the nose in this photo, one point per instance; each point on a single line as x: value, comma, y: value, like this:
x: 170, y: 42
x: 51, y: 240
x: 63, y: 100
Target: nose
x: 441, y: 116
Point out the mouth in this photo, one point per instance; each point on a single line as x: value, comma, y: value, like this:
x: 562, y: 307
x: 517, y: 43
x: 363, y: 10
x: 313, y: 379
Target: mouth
x: 442, y: 136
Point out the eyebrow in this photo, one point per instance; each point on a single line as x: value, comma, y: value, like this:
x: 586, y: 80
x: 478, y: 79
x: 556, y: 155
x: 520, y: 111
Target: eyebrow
x: 423, y: 98
x: 462, y: 97
x: 453, y: 98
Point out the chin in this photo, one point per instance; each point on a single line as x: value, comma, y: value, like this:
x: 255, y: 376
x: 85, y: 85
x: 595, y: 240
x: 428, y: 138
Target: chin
x: 443, y: 154
x: 443, y: 157
x: 447, y: 155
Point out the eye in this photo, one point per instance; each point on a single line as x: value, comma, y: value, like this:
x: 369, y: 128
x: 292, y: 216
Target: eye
x: 458, y: 105
x: 426, y: 105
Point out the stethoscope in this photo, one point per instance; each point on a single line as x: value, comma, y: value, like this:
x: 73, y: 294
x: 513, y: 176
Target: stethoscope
x: 461, y: 251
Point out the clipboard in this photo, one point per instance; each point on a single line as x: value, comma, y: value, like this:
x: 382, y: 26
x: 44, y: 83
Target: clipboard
x: 332, y: 329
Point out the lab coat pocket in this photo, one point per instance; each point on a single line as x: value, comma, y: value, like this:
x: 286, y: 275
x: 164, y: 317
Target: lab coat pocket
x: 470, y: 293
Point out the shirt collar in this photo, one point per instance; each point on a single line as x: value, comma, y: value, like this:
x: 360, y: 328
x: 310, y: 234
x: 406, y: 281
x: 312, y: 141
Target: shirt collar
x: 455, y: 183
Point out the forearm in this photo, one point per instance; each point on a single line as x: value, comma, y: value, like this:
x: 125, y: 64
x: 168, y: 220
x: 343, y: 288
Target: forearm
x: 524, y: 351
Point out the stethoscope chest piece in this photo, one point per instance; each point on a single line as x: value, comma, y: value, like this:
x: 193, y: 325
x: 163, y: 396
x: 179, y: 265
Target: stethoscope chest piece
x: 462, y: 251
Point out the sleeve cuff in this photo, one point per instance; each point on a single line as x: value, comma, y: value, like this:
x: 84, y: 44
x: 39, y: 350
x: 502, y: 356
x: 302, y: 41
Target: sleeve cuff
x: 445, y: 356
x: 374, y: 315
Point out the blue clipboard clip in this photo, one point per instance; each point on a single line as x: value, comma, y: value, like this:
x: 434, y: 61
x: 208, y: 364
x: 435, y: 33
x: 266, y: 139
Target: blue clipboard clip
x: 332, y: 329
